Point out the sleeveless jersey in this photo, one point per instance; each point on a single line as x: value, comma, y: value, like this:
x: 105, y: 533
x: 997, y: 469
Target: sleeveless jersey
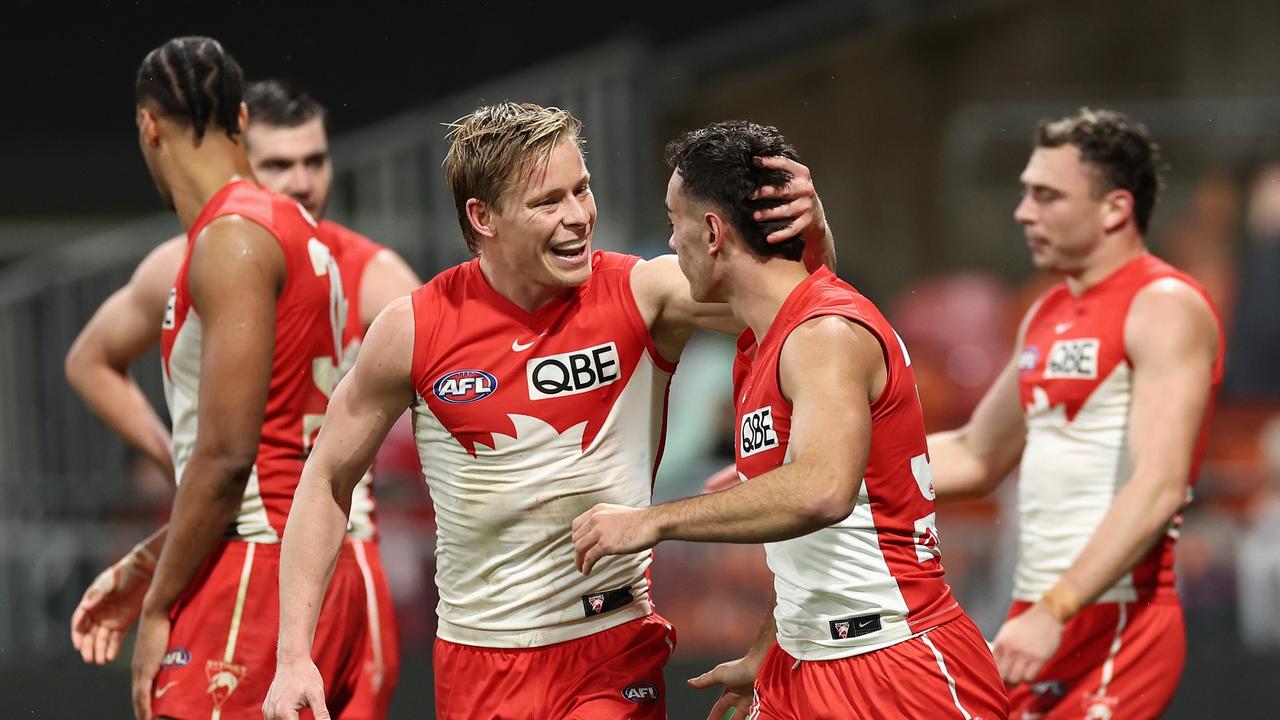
x: 523, y: 421
x: 310, y: 314
x: 875, y: 578
x: 1075, y: 382
x: 353, y: 252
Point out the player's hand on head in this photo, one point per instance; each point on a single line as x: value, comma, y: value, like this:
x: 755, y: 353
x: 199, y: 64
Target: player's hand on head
x: 148, y: 651
x: 109, y: 607
x: 1025, y: 644
x: 296, y: 685
x: 610, y: 530
x: 738, y: 678
x: 799, y: 211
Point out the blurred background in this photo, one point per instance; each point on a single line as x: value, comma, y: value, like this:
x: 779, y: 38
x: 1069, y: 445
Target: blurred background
x: 915, y: 118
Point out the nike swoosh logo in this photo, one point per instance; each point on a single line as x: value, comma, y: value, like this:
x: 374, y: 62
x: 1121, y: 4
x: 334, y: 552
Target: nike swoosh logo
x: 521, y: 347
x: 160, y: 691
x: 865, y: 624
x: 1062, y: 327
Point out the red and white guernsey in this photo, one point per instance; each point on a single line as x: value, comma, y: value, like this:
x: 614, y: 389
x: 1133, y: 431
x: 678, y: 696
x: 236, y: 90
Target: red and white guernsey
x: 523, y: 421
x: 353, y: 252
x: 1075, y: 381
x: 310, y: 315
x: 875, y: 578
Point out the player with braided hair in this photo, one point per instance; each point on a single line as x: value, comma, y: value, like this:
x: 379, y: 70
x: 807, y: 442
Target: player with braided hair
x: 251, y: 340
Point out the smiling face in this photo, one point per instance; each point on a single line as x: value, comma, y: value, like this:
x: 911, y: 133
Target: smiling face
x: 293, y: 161
x: 542, y: 226
x: 1063, y: 216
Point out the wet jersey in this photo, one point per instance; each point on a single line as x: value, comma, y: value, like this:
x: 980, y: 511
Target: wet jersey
x: 875, y: 578
x: 310, y: 315
x: 1075, y: 382
x: 353, y: 252
x: 523, y: 421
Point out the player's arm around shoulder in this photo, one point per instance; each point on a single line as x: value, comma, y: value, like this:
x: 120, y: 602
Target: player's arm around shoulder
x: 662, y: 293
x: 1172, y: 340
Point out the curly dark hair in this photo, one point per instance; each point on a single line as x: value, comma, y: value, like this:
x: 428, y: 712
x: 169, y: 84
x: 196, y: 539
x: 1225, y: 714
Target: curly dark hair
x: 1119, y: 147
x: 716, y: 165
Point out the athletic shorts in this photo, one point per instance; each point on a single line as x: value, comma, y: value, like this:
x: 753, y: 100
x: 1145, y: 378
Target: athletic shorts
x: 945, y: 673
x: 380, y: 664
x: 611, y: 675
x: 222, y: 648
x: 1117, y: 660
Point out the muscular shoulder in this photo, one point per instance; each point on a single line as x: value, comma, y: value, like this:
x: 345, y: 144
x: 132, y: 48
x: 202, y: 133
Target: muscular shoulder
x: 836, y: 348
x: 657, y: 279
x: 388, y: 346
x: 1170, y: 316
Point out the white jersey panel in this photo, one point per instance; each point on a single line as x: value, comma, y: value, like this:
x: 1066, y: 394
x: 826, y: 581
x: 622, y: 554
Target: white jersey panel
x: 1070, y: 475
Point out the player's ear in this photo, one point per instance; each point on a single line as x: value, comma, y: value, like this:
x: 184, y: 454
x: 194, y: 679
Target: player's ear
x: 1117, y: 209
x: 148, y: 127
x: 242, y: 118
x: 480, y: 216
x: 715, y: 229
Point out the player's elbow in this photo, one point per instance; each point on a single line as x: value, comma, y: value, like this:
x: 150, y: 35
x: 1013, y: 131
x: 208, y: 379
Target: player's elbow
x: 833, y: 503
x: 231, y: 463
x: 76, y: 366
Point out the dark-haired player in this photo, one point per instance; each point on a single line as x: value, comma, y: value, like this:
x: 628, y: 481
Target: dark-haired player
x: 835, y: 474
x: 287, y: 146
x: 1105, y: 401
x: 537, y: 374
x: 250, y: 343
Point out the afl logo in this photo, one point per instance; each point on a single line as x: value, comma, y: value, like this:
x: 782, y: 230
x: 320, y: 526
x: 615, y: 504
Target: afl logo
x: 641, y: 693
x: 465, y: 386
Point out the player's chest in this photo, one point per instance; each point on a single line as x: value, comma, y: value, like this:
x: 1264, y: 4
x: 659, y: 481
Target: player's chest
x: 494, y: 367
x: 1069, y: 351
x: 762, y: 426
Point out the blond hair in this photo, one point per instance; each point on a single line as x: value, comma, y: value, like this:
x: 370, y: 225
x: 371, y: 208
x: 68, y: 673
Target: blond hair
x: 497, y: 145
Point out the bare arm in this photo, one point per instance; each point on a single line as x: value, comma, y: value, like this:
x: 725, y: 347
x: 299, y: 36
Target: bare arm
x: 236, y: 270
x: 831, y: 369
x: 1172, y: 342
x: 363, y: 407
x: 662, y: 291
x: 124, y: 327
x: 386, y: 277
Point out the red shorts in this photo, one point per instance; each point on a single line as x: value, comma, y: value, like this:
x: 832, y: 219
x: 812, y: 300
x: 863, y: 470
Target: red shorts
x: 1116, y: 660
x: 610, y: 675
x: 222, y: 648
x: 948, y: 672
x: 380, y: 658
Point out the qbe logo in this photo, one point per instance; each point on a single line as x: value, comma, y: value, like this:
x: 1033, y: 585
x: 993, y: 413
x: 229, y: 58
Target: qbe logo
x: 641, y: 693
x: 757, y: 433
x: 1073, y: 360
x: 573, y: 372
x: 465, y: 386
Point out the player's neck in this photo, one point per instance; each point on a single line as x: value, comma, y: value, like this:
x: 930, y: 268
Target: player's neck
x: 515, y: 287
x: 758, y: 290
x: 201, y: 171
x: 1108, y: 258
